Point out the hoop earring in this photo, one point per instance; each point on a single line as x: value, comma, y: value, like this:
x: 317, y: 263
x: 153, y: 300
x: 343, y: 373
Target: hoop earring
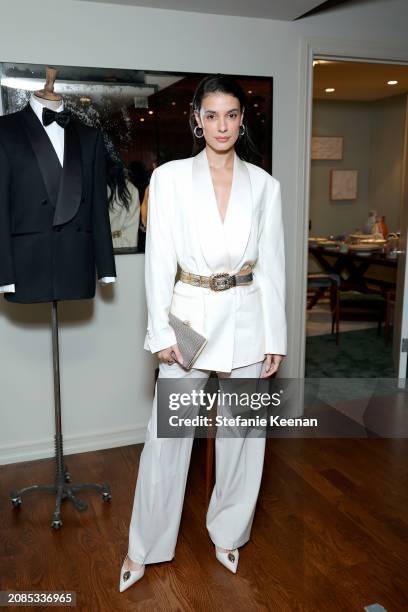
x: 243, y: 129
x: 195, y: 133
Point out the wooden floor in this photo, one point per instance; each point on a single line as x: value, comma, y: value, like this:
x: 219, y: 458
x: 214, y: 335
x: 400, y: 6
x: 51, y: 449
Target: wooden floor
x: 330, y: 534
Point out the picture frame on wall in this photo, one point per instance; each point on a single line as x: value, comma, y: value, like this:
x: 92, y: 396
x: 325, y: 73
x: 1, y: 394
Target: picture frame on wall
x: 144, y: 119
x: 343, y: 184
x: 327, y: 147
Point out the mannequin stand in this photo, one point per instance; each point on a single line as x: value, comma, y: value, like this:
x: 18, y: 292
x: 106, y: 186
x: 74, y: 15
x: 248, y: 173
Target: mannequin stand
x: 62, y: 488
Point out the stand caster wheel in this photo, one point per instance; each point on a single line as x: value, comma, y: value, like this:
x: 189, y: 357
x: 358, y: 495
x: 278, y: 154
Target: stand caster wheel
x: 106, y: 496
x: 56, y: 524
x: 16, y: 501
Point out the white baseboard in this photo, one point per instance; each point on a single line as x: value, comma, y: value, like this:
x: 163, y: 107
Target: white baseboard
x: 80, y: 443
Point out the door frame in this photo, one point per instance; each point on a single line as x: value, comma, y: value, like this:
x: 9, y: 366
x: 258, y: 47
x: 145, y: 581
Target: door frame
x: 312, y: 49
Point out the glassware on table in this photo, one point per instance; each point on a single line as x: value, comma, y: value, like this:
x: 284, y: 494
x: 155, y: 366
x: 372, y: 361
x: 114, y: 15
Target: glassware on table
x: 391, y: 246
x: 384, y: 227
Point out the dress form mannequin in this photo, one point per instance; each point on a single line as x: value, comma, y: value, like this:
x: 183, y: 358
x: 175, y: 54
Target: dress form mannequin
x: 66, y: 182
x: 51, y: 104
x: 47, y: 98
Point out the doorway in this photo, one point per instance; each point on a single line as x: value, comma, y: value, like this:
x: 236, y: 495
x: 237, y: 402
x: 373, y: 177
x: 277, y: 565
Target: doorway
x: 355, y: 314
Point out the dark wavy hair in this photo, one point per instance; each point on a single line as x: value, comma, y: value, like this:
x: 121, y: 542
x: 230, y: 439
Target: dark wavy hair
x: 221, y: 83
x: 139, y: 175
x: 116, y: 175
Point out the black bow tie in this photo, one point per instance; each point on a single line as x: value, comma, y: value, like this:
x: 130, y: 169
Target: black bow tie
x: 62, y: 118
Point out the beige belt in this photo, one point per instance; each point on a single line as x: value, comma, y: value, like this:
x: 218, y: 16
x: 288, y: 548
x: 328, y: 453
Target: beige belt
x: 220, y: 281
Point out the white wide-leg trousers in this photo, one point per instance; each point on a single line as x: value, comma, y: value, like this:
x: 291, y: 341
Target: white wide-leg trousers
x: 162, y: 477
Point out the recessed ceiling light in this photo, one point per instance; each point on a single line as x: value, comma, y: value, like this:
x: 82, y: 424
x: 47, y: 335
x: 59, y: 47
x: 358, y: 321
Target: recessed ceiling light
x: 329, y: 89
x: 249, y: 91
x: 141, y: 118
x: 320, y: 62
x: 392, y: 82
x: 150, y: 112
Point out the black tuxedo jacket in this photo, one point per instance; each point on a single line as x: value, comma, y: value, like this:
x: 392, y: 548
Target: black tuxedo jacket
x: 54, y: 221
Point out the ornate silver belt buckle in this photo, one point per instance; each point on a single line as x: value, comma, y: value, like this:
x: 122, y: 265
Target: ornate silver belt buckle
x: 221, y: 281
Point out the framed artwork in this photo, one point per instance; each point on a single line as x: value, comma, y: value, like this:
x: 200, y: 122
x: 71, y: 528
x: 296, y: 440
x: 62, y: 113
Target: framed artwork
x: 327, y: 147
x: 343, y: 184
x: 144, y: 117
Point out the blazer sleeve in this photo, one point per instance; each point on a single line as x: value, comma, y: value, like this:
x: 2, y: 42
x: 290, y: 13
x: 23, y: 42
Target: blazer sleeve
x: 160, y: 263
x: 102, y: 235
x: 6, y: 256
x: 270, y: 271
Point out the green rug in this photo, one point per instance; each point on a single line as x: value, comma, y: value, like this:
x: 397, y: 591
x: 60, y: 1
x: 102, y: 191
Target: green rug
x: 359, y: 354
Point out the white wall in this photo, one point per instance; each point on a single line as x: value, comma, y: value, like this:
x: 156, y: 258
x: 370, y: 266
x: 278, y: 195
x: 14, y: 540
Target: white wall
x: 373, y: 135
x: 386, y: 170
x: 106, y: 374
x: 351, y: 120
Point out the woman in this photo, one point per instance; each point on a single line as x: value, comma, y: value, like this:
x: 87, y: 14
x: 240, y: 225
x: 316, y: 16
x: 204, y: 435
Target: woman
x: 213, y: 213
x: 124, y: 204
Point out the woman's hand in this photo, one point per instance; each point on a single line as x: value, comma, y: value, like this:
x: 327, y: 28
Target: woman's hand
x: 271, y: 363
x: 170, y: 355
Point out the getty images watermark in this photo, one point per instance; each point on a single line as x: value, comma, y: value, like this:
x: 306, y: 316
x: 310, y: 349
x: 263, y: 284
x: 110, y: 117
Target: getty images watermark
x: 195, y: 399
x: 205, y: 406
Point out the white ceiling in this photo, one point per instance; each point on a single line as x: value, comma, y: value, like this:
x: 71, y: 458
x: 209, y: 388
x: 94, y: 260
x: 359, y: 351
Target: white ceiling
x: 360, y: 81
x: 285, y: 10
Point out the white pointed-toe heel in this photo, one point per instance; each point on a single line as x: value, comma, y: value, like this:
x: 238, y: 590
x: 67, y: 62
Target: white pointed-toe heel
x: 228, y: 559
x: 129, y: 577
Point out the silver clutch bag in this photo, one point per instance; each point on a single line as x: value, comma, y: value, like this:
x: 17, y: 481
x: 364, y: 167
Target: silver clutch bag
x: 189, y: 341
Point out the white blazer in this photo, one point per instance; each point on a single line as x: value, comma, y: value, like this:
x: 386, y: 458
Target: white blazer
x: 184, y: 227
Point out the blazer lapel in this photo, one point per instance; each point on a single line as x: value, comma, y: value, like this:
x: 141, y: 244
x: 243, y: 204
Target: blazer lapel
x: 44, y: 152
x: 238, y: 219
x: 222, y: 244
x: 70, y: 188
x: 209, y: 226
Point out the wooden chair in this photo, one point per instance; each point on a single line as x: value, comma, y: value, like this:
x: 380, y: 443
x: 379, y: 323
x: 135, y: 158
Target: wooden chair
x: 355, y: 305
x: 317, y: 284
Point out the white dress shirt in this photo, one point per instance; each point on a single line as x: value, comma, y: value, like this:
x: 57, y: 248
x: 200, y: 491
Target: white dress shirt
x: 57, y: 136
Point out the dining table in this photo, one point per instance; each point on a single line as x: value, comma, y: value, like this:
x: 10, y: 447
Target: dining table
x: 356, y: 269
